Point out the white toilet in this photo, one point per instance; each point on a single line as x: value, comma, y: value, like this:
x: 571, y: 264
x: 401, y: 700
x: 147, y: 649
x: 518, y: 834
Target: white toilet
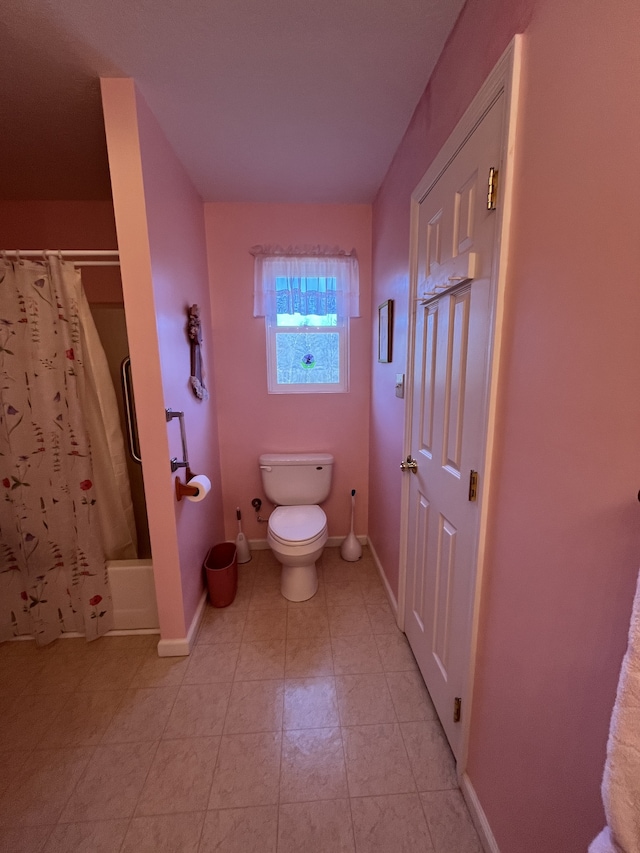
x: 296, y: 483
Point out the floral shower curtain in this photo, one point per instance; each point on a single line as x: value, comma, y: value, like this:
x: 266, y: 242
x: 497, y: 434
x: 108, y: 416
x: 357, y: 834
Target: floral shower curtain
x: 53, y: 576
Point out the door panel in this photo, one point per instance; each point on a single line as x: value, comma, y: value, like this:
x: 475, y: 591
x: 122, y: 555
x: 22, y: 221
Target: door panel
x: 428, y: 372
x: 450, y: 364
x: 444, y: 586
x: 456, y: 380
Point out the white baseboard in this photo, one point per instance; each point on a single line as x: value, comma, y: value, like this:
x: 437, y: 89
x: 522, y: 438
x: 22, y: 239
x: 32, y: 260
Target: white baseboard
x: 336, y: 541
x: 182, y: 646
x: 392, y: 599
x: 479, y: 818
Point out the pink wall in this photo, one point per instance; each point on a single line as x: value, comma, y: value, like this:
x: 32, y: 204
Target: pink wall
x: 66, y: 225
x: 163, y: 257
x: 252, y: 421
x: 564, y: 544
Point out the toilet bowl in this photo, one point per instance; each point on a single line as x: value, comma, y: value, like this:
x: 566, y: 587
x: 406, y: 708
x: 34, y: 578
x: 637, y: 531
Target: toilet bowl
x: 297, y: 536
x: 297, y: 531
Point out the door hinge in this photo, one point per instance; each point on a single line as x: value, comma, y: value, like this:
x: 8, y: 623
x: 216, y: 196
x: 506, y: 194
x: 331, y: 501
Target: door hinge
x: 473, y: 485
x: 492, y: 189
x: 457, y: 709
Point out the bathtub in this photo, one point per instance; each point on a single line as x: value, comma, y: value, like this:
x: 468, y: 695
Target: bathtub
x: 134, y: 595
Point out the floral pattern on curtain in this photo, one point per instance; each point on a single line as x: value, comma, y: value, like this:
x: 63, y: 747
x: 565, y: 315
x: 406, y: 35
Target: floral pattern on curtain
x: 53, y: 575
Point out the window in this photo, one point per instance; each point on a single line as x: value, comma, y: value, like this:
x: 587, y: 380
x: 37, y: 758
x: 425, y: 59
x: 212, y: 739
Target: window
x: 307, y: 301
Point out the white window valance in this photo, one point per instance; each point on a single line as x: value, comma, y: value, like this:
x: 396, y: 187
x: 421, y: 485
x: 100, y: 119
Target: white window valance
x: 308, y: 280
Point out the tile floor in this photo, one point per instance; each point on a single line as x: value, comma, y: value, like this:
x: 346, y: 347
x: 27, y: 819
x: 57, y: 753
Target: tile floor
x: 291, y: 727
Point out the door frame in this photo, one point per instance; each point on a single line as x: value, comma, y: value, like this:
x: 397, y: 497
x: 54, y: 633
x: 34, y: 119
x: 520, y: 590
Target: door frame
x: 504, y: 78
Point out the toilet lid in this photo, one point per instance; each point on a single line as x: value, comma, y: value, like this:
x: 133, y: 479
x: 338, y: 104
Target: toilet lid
x: 297, y: 523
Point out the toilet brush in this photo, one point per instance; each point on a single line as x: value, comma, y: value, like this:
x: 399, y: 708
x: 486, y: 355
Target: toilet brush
x: 351, y: 549
x: 242, y: 546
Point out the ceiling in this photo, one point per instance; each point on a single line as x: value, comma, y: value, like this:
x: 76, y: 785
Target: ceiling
x: 262, y: 100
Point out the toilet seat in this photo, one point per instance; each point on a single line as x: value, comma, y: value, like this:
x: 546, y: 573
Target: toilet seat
x: 299, y: 525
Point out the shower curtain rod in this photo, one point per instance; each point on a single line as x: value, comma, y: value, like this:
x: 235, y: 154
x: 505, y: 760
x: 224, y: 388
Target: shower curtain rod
x: 68, y: 254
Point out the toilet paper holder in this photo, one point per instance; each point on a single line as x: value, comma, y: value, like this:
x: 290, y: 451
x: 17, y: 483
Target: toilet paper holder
x: 182, y: 489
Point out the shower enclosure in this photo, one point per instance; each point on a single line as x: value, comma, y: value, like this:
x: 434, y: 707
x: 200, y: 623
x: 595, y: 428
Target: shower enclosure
x: 32, y: 287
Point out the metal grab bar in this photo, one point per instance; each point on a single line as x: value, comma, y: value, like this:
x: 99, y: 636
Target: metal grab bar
x: 175, y: 463
x: 129, y: 410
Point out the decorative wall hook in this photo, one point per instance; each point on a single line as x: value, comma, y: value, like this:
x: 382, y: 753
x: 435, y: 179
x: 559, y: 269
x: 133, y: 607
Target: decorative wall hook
x: 195, y: 338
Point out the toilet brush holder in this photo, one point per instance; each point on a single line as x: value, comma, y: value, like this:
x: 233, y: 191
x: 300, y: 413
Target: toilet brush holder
x: 351, y: 549
x: 242, y: 546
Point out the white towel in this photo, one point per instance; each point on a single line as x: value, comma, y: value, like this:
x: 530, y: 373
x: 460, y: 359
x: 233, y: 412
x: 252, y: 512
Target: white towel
x: 603, y: 843
x: 621, y: 780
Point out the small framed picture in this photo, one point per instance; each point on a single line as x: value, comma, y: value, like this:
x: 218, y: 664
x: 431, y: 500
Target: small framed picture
x: 385, y: 331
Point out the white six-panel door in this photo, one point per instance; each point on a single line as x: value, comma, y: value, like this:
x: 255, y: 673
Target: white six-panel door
x: 453, y: 324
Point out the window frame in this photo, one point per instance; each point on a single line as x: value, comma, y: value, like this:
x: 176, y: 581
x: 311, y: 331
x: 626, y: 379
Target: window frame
x: 295, y: 267
x: 275, y: 387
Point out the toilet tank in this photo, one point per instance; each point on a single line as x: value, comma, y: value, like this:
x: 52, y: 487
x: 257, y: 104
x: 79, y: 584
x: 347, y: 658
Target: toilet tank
x: 296, y: 479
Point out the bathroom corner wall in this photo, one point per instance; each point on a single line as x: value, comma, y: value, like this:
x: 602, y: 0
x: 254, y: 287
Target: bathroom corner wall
x: 159, y: 220
x: 251, y: 420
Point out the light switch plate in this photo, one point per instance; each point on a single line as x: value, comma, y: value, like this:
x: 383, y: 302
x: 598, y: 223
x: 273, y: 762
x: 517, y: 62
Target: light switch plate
x: 399, y: 384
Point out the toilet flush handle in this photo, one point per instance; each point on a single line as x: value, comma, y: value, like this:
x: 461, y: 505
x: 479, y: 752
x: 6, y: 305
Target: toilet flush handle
x: 265, y: 467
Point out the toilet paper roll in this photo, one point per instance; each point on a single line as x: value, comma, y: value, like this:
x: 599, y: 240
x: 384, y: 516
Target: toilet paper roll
x: 203, y: 484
